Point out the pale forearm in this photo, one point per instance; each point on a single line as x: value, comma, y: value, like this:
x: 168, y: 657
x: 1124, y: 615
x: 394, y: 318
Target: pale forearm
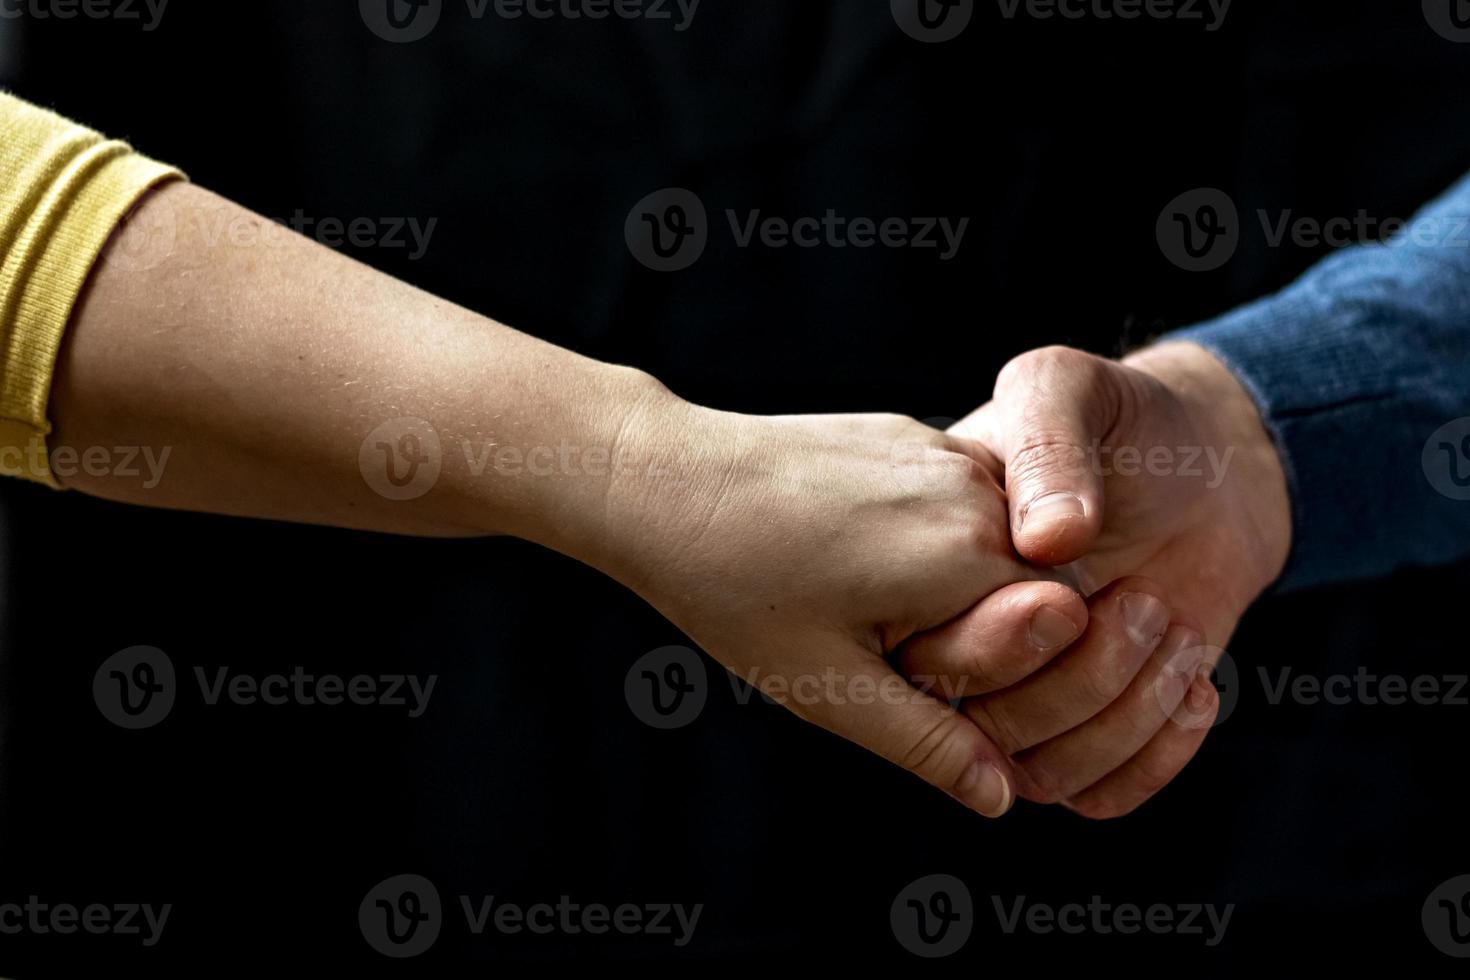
x: 794, y: 550
x: 262, y: 362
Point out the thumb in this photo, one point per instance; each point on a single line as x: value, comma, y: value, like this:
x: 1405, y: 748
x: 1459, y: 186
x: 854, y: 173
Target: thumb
x: 1052, y: 407
x: 862, y: 699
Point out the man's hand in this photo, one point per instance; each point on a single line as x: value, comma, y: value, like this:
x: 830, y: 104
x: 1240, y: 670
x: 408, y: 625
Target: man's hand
x: 1159, y: 467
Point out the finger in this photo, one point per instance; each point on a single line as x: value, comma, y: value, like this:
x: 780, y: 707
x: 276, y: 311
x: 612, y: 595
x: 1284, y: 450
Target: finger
x: 1126, y: 788
x: 1075, y: 760
x: 868, y: 703
x: 1126, y: 622
x: 1051, y: 407
x: 1007, y: 635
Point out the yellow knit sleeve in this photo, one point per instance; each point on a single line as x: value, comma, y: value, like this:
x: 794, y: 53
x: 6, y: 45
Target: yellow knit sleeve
x: 63, y: 189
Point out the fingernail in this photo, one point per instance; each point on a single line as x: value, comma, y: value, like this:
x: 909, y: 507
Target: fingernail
x: 1051, y: 628
x: 984, y: 790
x: 1201, y: 690
x: 1054, y: 507
x: 1144, y: 617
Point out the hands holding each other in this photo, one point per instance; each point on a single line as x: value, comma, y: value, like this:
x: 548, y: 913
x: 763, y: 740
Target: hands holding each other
x: 836, y: 562
x: 1157, y: 468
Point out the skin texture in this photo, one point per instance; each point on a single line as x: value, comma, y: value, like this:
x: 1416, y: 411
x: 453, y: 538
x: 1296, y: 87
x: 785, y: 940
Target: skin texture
x: 1218, y: 537
x: 791, y: 549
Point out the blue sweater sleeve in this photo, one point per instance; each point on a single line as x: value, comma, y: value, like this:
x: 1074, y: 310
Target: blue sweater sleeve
x: 1361, y: 371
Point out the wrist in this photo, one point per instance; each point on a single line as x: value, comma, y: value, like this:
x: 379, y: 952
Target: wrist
x: 676, y: 466
x: 1220, y: 408
x: 554, y: 475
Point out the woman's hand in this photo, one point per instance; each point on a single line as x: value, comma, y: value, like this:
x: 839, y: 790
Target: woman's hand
x: 799, y: 552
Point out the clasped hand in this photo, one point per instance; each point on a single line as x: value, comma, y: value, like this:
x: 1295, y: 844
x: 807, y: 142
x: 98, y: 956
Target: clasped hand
x: 898, y: 569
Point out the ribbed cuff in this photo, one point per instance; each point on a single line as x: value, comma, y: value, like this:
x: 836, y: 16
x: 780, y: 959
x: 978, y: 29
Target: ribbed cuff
x: 1349, y: 399
x: 92, y: 186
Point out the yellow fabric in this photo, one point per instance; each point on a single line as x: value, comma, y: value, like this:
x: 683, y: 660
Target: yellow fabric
x: 63, y: 189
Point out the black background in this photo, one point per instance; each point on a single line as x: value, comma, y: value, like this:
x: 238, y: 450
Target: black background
x: 529, y: 778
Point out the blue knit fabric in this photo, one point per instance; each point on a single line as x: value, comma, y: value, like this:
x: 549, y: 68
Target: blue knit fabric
x: 1356, y: 367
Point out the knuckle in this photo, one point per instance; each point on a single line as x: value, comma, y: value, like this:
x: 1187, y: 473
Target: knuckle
x: 991, y: 715
x: 1040, y: 363
x: 1043, y: 455
x: 1106, y: 675
x: 1041, y: 785
x: 1151, y: 777
x: 937, y: 750
x: 1099, y: 807
x: 900, y: 425
x: 981, y: 671
x: 956, y: 470
x: 1089, y: 383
